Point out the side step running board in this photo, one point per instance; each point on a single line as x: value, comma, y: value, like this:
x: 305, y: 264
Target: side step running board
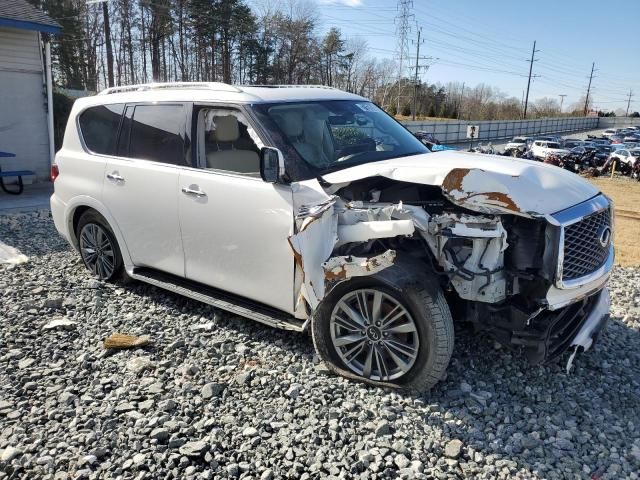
x: 219, y: 299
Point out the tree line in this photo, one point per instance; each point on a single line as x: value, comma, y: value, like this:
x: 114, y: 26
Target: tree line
x: 120, y: 42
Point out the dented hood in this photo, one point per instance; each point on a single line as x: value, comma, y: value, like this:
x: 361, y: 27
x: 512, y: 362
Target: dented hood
x: 483, y: 183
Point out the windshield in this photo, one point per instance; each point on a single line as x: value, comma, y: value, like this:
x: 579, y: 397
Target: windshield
x: 518, y: 140
x: 331, y: 135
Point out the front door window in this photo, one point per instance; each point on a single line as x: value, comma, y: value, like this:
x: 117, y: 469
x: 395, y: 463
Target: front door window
x: 227, y: 142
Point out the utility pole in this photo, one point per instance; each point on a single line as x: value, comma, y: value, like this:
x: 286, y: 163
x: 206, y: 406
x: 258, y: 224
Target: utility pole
x: 415, y: 80
x: 526, y: 100
x: 402, y: 32
x: 562, y: 95
x: 586, y: 100
x: 629, y: 102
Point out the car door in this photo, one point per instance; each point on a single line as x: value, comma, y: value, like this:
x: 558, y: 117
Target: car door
x: 141, y: 184
x: 235, y: 227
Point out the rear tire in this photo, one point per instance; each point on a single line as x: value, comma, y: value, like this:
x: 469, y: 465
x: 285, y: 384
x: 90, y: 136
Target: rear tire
x: 98, y: 247
x: 416, y: 347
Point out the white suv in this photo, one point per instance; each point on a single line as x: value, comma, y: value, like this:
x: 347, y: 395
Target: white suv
x: 541, y: 148
x: 310, y: 209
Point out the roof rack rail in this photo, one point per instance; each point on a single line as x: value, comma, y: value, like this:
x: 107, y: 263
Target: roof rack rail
x: 225, y: 87
x: 292, y: 86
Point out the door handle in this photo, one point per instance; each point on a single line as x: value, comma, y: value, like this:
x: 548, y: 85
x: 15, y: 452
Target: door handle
x: 115, y: 177
x: 193, y: 191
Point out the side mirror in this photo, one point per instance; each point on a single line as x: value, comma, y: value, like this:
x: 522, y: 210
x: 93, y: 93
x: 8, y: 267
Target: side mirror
x: 271, y: 165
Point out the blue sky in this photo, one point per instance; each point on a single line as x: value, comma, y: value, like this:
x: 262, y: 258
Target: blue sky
x: 490, y: 41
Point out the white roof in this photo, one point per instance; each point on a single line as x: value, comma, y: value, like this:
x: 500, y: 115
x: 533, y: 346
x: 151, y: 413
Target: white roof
x: 216, y: 92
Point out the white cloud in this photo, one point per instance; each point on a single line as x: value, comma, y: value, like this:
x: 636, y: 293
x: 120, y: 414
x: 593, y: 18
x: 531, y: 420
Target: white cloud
x: 348, y: 3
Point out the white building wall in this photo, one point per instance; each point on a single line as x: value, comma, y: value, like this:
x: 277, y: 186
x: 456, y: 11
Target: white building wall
x: 23, y: 109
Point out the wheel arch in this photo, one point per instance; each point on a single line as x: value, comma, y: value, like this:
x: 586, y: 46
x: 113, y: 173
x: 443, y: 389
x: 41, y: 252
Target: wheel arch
x: 405, y: 274
x: 81, y: 204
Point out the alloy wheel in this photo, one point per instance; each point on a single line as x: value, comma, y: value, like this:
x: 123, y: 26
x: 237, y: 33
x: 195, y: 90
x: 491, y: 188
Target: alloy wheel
x: 97, y: 251
x: 374, y: 334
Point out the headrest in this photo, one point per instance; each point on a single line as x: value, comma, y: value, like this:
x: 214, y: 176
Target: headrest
x: 292, y: 123
x: 226, y: 129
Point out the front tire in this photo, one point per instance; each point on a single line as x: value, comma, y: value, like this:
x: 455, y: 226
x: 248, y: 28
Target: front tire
x: 98, y: 247
x: 393, y: 328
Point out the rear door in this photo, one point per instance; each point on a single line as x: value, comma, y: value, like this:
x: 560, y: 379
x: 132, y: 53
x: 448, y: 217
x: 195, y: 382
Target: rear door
x: 141, y: 183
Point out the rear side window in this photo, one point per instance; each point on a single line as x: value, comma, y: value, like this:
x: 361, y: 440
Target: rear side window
x: 156, y: 132
x: 99, y: 126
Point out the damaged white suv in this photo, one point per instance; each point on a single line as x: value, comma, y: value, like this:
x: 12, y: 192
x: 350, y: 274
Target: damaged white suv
x: 310, y: 209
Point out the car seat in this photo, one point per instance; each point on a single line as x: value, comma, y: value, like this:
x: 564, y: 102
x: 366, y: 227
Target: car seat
x: 222, y: 149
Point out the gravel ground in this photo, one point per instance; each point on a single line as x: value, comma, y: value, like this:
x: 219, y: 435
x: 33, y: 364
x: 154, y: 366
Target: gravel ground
x: 218, y: 396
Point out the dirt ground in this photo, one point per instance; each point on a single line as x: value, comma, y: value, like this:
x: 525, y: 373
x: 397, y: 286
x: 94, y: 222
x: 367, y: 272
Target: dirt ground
x: 626, y: 197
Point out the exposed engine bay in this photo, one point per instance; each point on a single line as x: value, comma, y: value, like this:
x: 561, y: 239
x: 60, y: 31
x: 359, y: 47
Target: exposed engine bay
x: 494, y: 268
x: 474, y: 253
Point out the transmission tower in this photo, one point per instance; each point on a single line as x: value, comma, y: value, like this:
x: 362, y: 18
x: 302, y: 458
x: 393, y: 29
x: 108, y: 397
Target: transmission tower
x: 562, y: 95
x: 403, y: 28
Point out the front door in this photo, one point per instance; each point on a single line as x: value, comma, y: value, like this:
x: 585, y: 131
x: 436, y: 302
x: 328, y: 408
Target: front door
x: 141, y: 185
x: 235, y: 227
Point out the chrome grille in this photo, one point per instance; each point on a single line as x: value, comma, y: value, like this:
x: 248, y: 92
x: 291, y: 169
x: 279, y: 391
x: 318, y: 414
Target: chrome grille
x: 583, y: 252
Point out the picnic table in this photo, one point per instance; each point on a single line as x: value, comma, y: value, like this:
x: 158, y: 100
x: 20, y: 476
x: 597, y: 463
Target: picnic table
x: 12, y: 173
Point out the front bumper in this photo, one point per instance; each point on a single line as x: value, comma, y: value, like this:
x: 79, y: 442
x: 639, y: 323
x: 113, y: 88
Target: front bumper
x: 552, y: 332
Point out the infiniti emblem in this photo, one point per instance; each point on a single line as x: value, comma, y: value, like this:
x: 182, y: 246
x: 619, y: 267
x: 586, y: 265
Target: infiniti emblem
x: 373, y: 333
x: 604, y: 236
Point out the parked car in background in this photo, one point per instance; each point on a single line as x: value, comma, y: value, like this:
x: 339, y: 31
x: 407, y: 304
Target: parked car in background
x: 518, y: 142
x: 570, y: 143
x: 582, y: 150
x: 602, y: 153
x: 616, y: 139
x: 549, y: 138
x: 312, y: 210
x: 541, y: 148
x: 431, y: 142
x: 625, y: 156
x: 609, y: 132
x: 599, y: 141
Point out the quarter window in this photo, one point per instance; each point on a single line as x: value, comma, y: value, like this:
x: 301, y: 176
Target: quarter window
x: 157, y: 134
x: 99, y: 126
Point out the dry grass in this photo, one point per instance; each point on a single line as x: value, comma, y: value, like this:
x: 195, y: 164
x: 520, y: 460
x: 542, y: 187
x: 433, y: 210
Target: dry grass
x: 626, y: 196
